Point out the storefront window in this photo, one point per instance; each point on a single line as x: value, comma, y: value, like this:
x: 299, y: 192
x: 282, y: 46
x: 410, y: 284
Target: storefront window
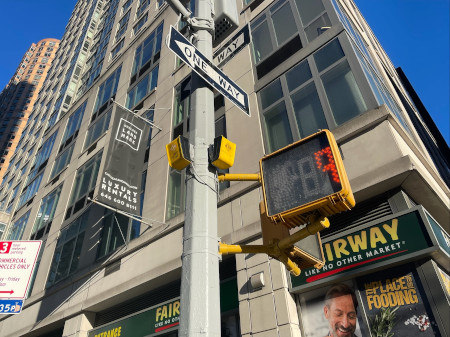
x: 396, y: 302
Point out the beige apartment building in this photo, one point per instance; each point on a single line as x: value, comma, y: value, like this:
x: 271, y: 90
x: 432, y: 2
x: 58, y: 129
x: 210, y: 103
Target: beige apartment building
x: 18, y: 97
x: 309, y: 65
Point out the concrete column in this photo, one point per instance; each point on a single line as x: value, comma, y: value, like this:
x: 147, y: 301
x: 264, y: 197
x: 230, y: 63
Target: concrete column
x: 266, y: 307
x: 79, y: 326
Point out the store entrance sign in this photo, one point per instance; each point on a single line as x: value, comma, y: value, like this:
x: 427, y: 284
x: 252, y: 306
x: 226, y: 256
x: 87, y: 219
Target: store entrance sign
x: 396, y: 237
x: 162, y: 317
x: 17, y: 261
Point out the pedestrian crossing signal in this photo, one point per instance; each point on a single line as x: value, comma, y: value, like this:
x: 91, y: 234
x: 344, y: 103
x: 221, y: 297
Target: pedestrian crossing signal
x: 303, y: 177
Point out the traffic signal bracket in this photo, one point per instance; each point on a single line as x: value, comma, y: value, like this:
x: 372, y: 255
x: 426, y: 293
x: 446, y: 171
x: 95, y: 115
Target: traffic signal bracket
x: 240, y: 177
x: 282, y: 249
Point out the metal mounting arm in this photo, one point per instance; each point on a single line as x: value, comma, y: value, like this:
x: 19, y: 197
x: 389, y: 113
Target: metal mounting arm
x: 280, y: 249
x: 240, y: 177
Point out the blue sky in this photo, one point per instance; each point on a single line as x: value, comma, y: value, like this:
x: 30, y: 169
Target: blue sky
x: 414, y: 33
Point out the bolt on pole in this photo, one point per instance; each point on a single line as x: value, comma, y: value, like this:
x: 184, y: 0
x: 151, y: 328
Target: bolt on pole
x: 200, y: 286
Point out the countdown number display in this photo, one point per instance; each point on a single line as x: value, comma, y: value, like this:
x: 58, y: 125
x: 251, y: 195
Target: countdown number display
x: 303, y: 173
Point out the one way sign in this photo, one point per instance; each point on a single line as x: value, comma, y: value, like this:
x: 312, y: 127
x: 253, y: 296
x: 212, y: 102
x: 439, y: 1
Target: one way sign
x: 207, y: 70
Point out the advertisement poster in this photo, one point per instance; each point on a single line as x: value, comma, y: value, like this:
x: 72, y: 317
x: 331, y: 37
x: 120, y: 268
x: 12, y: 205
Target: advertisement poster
x: 394, y: 305
x: 121, y: 177
x: 445, y: 279
x: 323, y: 310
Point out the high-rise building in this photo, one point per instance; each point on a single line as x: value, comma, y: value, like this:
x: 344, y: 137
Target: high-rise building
x: 18, y: 97
x: 310, y: 65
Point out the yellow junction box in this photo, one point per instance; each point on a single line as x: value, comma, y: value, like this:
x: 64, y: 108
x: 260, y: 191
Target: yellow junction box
x: 224, y: 153
x: 178, y: 153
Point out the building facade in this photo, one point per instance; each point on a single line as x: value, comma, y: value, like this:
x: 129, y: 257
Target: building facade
x: 310, y: 65
x: 16, y: 103
x: 18, y: 97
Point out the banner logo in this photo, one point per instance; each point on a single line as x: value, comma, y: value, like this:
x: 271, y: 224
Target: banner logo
x: 129, y: 134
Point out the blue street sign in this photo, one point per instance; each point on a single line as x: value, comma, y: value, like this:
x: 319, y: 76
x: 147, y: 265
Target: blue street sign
x: 11, y: 306
x: 207, y: 70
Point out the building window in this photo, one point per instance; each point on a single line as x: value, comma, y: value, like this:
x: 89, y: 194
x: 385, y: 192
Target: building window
x: 12, y: 198
x: 273, y: 29
x: 84, y: 184
x: 143, y: 88
x: 42, y: 155
x: 97, y: 129
x: 23, y: 170
x: 73, y: 125
x: 126, y: 5
x: 176, y: 195
x: 318, y: 93
x: 147, y: 54
x: 137, y: 27
x: 160, y: 3
x: 115, y: 229
x: 117, y: 48
x: 68, y: 250
x: 45, y: 215
x: 62, y: 161
x: 142, y: 7
x: 107, y: 90
x: 30, y: 190
x: 122, y: 25
x: 17, y: 227
x: 283, y: 29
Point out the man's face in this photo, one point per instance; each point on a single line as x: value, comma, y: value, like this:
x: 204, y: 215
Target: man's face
x: 341, y: 315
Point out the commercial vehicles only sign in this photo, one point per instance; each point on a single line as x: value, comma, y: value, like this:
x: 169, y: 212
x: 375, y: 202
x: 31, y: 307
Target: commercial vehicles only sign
x: 17, y: 261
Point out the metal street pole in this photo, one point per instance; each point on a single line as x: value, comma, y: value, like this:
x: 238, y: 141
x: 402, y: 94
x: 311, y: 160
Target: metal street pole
x: 200, y: 292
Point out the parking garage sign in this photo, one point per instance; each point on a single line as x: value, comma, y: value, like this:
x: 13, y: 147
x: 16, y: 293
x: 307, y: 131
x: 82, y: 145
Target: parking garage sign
x: 17, y: 261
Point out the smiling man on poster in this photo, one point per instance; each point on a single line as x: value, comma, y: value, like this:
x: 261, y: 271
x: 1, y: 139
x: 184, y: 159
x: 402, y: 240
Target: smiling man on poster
x: 340, y: 311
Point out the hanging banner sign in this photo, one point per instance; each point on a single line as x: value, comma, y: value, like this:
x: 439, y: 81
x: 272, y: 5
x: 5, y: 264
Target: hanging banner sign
x: 120, y: 183
x: 400, y: 236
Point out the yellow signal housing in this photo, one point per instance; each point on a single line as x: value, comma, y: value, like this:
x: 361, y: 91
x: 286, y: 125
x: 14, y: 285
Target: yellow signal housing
x: 224, y: 152
x: 305, y: 177
x: 178, y: 153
